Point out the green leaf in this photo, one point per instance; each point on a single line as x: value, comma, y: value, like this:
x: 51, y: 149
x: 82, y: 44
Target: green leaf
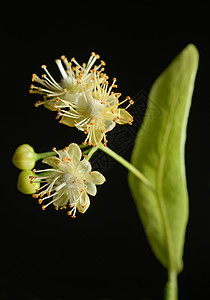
x: 159, y: 154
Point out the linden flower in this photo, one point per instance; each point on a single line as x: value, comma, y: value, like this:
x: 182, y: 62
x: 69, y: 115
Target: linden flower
x: 95, y: 111
x: 74, y: 78
x: 68, y: 182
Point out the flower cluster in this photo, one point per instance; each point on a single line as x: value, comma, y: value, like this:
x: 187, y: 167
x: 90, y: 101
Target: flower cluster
x: 68, y: 182
x: 83, y: 98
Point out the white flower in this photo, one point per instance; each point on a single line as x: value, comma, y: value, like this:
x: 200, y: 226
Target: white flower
x: 96, y: 111
x: 68, y: 182
x: 73, y: 79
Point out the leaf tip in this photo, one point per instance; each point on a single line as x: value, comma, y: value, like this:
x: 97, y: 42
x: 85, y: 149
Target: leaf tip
x: 192, y: 49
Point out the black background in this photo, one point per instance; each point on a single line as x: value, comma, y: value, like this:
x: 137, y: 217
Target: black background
x: 103, y: 254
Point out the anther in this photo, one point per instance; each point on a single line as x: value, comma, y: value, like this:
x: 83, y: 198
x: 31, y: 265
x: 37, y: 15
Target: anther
x: 37, y: 103
x: 33, y: 77
x: 103, y: 63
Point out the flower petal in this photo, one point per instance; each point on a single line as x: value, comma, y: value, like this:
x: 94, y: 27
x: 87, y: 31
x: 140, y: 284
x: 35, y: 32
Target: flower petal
x: 91, y: 188
x: 84, y: 203
x: 97, y: 132
x: 83, y: 168
x: 74, y: 151
x: 51, y: 161
x: 96, y: 178
x: 109, y: 125
x: 67, y: 121
x: 49, y: 104
x: 124, y: 116
x: 63, y: 200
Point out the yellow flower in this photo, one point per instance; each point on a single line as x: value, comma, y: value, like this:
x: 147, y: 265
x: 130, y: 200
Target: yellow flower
x: 68, y: 182
x: 95, y: 111
x: 73, y: 79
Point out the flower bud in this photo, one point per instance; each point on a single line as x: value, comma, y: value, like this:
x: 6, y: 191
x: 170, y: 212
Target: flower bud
x: 24, y: 157
x: 25, y: 184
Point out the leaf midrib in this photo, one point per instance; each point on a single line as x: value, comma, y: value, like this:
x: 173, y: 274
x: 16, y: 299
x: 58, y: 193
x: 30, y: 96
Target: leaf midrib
x: 169, y: 239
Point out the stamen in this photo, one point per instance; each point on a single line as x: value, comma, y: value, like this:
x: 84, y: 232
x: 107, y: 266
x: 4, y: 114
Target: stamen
x: 61, y: 68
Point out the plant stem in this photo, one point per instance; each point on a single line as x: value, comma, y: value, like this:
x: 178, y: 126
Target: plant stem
x: 42, y: 155
x: 91, y: 152
x: 126, y: 164
x: 171, y: 289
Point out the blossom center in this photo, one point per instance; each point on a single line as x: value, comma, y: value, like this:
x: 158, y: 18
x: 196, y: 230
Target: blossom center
x: 95, y: 108
x: 71, y: 181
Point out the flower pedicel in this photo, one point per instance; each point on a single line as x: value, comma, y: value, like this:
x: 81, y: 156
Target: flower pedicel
x: 68, y: 182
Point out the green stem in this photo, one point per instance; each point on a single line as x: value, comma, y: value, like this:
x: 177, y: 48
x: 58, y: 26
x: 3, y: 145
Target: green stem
x: 42, y: 155
x: 126, y: 164
x: 39, y: 156
x: 171, y: 289
x: 91, y: 152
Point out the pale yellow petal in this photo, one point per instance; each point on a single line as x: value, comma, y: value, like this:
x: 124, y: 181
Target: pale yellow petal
x: 63, y: 200
x: 83, y: 168
x: 49, y: 104
x: 74, y: 151
x: 91, y: 188
x: 96, y: 177
x: 84, y: 203
x: 97, y: 132
x: 109, y: 125
x: 51, y: 161
x: 67, y: 121
x: 123, y: 116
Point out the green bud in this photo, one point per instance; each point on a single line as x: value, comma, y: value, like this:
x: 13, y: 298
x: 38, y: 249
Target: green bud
x: 25, y: 184
x: 24, y: 157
